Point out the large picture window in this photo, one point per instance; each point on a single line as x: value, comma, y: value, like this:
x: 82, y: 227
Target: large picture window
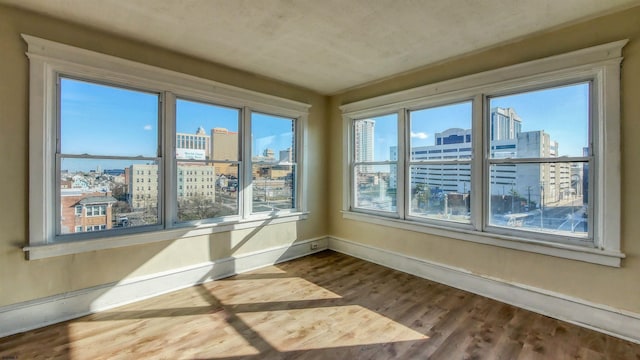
x: 124, y: 153
x: 525, y: 157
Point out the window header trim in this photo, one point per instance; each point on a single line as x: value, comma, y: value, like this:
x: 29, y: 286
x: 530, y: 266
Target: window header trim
x: 466, y: 86
x: 70, y: 57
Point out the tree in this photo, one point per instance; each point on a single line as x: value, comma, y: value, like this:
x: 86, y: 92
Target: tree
x: 421, y: 193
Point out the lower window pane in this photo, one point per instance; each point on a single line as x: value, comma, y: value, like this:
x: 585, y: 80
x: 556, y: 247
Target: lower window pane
x: 441, y: 192
x: 106, y: 194
x: 376, y: 187
x: 273, y: 187
x: 206, y: 191
x: 549, y: 198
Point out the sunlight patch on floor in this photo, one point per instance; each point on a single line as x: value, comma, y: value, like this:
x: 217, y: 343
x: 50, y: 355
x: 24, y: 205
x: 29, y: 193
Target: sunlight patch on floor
x: 256, y: 291
x: 192, y: 336
x: 326, y: 327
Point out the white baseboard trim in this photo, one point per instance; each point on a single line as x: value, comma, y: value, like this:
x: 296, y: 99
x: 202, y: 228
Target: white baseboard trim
x: 37, y: 313
x: 602, y: 318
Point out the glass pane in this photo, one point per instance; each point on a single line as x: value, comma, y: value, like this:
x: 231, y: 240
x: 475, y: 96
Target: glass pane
x: 550, y: 198
x: 541, y: 124
x: 442, y: 132
x: 272, y: 139
x: 104, y: 194
x: 376, y: 139
x: 273, y: 187
x: 376, y: 187
x: 205, y: 131
x: 441, y: 192
x: 206, y: 191
x: 105, y: 120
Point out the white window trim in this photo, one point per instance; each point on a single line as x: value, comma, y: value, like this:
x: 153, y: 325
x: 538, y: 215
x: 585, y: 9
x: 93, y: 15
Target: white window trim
x: 47, y: 59
x: 600, y: 63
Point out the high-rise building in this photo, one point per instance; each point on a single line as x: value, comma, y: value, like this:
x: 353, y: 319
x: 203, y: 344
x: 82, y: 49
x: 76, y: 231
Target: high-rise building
x: 551, y: 180
x: 193, y: 146
x: 286, y: 156
x: 224, y: 146
x: 364, y: 143
x: 505, y: 124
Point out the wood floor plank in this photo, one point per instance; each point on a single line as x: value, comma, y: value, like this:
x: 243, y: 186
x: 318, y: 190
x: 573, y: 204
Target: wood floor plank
x: 324, y: 306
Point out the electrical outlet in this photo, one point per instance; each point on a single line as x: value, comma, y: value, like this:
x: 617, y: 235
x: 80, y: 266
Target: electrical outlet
x: 314, y: 246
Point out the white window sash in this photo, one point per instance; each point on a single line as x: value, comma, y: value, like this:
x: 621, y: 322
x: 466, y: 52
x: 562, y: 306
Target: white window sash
x: 600, y: 65
x: 48, y: 59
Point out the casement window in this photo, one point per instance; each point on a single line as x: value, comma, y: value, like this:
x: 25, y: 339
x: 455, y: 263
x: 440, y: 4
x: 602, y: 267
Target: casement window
x: 525, y: 157
x: 119, y: 139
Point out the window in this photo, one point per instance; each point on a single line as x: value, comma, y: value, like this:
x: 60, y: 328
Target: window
x: 273, y: 163
x: 525, y: 157
x: 96, y: 210
x: 539, y: 161
x: 120, y: 124
x: 440, y: 186
x: 376, y: 163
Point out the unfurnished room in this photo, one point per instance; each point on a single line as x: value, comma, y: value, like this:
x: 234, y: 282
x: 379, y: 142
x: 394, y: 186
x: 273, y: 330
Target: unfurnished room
x: 300, y: 179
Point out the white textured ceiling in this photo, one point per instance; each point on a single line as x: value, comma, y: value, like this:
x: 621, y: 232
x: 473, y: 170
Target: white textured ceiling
x: 323, y: 45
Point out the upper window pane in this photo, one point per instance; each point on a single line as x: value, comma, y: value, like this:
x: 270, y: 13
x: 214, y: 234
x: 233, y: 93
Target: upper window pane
x: 441, y: 133
x: 272, y: 139
x: 376, y: 139
x: 98, y: 119
x: 541, y: 124
x: 206, y: 132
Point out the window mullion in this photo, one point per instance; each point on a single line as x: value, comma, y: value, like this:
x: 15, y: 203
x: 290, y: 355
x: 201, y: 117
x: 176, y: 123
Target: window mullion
x: 401, y: 167
x: 169, y: 185
x: 246, y: 178
x: 479, y: 165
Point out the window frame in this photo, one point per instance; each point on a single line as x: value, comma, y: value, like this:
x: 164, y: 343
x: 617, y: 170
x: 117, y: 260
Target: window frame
x: 397, y: 163
x: 49, y: 60
x: 598, y: 64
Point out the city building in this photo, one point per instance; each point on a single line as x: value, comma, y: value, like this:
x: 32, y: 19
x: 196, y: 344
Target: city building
x: 224, y: 147
x: 83, y: 211
x: 364, y: 142
x: 193, y: 146
x: 549, y: 182
x: 143, y: 186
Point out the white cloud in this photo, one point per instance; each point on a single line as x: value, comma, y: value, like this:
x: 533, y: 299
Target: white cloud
x: 148, y: 127
x: 419, y: 135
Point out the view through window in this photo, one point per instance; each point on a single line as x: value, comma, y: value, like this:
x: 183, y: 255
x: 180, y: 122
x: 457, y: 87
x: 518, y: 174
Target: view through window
x: 110, y: 166
x: 274, y: 166
x: 107, y: 156
x: 375, y: 163
x: 207, y: 155
x: 537, y: 163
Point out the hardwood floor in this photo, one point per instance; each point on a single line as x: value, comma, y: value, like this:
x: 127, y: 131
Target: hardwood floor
x: 324, y: 306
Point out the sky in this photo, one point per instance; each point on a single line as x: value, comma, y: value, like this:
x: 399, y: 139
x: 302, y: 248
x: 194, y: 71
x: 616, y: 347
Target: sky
x: 103, y: 120
x: 561, y: 112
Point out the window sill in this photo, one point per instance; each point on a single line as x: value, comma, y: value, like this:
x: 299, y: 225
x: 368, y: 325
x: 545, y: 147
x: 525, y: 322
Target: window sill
x: 76, y: 247
x: 573, y: 252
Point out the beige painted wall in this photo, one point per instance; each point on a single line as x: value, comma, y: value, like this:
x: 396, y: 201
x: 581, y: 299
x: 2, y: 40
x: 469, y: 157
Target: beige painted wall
x: 616, y: 287
x: 22, y: 280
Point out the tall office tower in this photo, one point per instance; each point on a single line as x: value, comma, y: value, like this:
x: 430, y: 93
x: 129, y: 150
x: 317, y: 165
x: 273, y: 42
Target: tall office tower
x: 505, y: 124
x: 193, y: 146
x: 364, y: 131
